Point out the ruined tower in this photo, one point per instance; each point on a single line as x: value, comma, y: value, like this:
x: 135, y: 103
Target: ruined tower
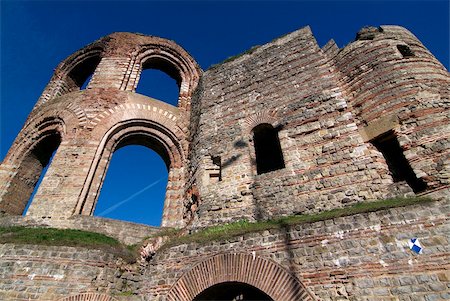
x: 285, y: 129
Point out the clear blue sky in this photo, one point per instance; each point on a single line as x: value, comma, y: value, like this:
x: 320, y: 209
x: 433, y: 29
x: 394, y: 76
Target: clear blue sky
x: 36, y: 36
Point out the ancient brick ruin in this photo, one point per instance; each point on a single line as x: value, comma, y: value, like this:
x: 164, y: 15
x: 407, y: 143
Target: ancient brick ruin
x: 286, y: 128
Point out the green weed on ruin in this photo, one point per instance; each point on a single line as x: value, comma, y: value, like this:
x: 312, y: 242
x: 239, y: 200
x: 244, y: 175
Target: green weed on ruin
x: 231, y: 230
x: 65, y: 237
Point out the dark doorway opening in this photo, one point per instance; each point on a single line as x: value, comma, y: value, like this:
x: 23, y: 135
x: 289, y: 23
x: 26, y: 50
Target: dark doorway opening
x: 399, y: 167
x: 232, y: 291
x: 269, y: 156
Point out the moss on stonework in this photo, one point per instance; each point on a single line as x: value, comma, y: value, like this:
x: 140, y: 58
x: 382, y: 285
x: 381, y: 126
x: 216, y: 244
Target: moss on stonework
x: 66, y: 237
x: 228, y: 231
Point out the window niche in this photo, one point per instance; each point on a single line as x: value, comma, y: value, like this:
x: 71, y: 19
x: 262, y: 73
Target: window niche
x: 269, y: 156
x: 405, y: 51
x: 388, y: 145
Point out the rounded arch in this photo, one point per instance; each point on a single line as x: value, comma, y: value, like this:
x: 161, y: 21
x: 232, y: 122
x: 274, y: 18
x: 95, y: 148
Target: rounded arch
x: 163, y: 137
x: 26, y: 161
x: 73, y: 72
x: 264, y: 116
x: 36, y: 131
x: 166, y: 56
x: 263, y: 274
x: 88, y: 297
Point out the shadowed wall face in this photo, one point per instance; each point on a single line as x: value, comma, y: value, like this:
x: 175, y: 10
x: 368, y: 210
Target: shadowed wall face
x: 28, y: 173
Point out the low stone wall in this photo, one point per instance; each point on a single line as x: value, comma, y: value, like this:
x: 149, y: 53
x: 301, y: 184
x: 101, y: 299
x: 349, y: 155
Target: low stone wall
x: 30, y: 272
x: 126, y: 232
x: 359, y: 257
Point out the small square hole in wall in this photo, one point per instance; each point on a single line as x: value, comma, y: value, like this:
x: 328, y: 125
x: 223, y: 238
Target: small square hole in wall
x: 405, y: 51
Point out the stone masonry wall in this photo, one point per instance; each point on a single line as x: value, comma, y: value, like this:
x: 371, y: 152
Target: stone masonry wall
x: 30, y: 272
x: 408, y: 93
x: 291, y: 84
x: 359, y: 257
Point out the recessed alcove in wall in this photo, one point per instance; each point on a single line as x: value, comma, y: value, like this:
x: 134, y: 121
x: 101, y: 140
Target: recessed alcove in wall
x: 135, y: 186
x: 159, y: 80
x: 269, y: 156
x: 398, y: 165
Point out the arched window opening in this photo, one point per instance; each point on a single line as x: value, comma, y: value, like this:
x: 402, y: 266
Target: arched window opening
x: 41, y: 177
x: 160, y: 80
x: 269, y: 156
x: 31, y: 171
x: 399, y: 167
x: 135, y: 184
x: 80, y: 76
x: 232, y: 291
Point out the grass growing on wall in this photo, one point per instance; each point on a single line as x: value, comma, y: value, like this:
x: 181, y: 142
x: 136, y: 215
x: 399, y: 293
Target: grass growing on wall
x: 78, y: 238
x: 65, y: 237
x: 228, y: 231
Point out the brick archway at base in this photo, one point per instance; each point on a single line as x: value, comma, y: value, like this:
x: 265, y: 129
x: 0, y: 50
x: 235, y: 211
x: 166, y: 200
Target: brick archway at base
x: 88, y: 297
x: 264, y: 274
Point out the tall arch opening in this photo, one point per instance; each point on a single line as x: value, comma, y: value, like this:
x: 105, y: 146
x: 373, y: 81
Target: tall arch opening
x: 232, y: 291
x: 150, y: 134
x: 269, y: 156
x: 159, y: 79
x: 134, y: 188
x: 31, y: 170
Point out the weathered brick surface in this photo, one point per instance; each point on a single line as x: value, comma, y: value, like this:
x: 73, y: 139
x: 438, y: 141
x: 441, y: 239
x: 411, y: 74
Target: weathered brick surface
x: 315, y: 97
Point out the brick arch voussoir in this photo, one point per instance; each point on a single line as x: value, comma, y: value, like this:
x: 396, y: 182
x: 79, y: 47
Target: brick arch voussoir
x: 72, y: 114
x: 94, y: 49
x: 174, y: 54
x: 264, y: 116
x: 264, y: 274
x: 134, y: 111
x: 128, y: 119
x: 63, y: 69
x: 53, y: 117
x: 36, y: 130
x: 88, y: 297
